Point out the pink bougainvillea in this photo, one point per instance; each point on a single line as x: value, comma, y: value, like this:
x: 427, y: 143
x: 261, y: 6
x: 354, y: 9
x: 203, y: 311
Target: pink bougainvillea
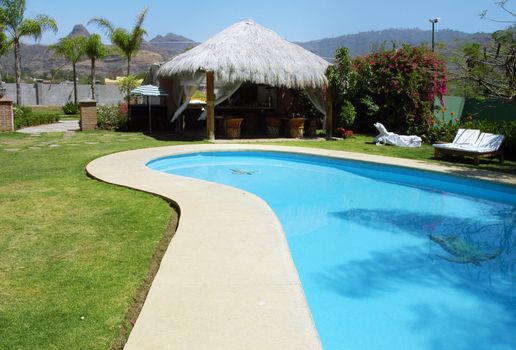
x: 404, y: 84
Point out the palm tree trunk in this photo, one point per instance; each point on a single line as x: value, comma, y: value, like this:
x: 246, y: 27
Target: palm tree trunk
x: 17, y: 70
x: 93, y: 78
x: 128, y: 97
x: 74, y: 83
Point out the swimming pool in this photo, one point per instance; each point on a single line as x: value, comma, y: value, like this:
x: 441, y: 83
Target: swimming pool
x: 389, y: 258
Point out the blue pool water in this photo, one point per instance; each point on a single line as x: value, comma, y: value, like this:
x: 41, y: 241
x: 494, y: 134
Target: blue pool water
x: 388, y: 258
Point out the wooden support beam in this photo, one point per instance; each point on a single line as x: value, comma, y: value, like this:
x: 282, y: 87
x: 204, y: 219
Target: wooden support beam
x: 210, y: 105
x: 329, y: 112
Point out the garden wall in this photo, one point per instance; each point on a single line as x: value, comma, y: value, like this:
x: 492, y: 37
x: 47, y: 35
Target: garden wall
x: 59, y: 94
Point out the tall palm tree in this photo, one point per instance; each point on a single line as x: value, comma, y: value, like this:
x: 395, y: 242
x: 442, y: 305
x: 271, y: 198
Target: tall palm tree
x: 17, y: 26
x: 72, y: 49
x: 94, y: 49
x: 5, y: 45
x: 128, y: 42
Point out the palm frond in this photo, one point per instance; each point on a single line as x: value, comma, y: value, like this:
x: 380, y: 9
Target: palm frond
x: 5, y: 44
x: 12, y: 12
x: 94, y: 48
x: 103, y: 24
x: 138, y: 26
x: 47, y: 23
x: 71, y: 48
x: 35, y: 27
x: 30, y: 27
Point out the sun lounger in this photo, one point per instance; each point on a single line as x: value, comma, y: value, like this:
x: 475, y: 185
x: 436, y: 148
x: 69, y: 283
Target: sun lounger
x: 466, y: 144
x: 390, y: 138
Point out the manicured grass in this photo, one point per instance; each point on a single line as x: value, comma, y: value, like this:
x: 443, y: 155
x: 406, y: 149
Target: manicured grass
x: 74, y: 250
x: 73, y: 247
x: 363, y: 144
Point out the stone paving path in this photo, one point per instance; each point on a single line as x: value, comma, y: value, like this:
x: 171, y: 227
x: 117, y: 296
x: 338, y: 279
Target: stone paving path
x: 62, y: 126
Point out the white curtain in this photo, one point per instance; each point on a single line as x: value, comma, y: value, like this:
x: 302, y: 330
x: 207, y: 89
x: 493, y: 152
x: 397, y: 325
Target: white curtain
x: 190, y: 85
x: 316, y: 96
x: 222, y: 93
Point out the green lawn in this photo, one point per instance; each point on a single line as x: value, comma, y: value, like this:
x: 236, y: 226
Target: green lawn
x: 70, y: 246
x: 74, y: 250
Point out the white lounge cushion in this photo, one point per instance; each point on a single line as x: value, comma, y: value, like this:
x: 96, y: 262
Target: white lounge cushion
x: 390, y: 138
x: 463, y: 139
x: 486, y: 143
x: 466, y: 137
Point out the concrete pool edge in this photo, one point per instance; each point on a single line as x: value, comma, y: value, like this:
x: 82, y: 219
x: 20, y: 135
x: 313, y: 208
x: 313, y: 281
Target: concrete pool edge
x: 228, y: 280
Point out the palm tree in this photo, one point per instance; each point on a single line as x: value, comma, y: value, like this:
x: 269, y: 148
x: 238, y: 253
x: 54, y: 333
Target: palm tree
x: 72, y: 49
x: 94, y: 49
x: 12, y: 17
x: 128, y: 42
x: 4, y: 48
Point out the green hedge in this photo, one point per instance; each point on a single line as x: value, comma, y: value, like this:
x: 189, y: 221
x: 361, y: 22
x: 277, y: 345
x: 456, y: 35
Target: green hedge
x: 23, y: 117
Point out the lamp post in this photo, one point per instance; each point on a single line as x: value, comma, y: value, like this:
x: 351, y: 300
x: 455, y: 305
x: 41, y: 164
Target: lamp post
x: 433, y: 21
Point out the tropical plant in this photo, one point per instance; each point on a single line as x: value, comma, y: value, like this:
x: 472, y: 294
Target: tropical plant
x: 128, y: 42
x: 4, y: 45
x: 94, y: 49
x: 17, y: 26
x: 347, y: 115
x: 70, y: 108
x: 126, y: 84
x: 72, y: 49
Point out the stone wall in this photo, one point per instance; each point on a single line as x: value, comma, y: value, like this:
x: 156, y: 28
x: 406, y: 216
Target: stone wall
x: 59, y: 94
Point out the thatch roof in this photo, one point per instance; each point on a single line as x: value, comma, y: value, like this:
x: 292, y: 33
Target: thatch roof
x: 248, y: 52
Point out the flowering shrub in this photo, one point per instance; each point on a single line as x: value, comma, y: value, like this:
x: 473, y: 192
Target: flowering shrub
x: 396, y: 87
x: 110, y: 117
x: 345, y: 134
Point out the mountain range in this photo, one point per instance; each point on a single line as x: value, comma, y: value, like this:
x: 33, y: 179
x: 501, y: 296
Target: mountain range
x: 37, y: 60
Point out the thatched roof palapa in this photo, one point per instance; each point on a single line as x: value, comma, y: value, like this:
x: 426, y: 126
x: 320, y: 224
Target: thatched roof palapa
x: 249, y: 52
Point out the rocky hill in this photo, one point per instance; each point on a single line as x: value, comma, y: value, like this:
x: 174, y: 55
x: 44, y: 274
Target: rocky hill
x: 79, y: 30
x: 37, y: 61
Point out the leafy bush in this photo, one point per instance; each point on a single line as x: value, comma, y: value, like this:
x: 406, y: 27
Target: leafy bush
x: 23, y: 116
x: 439, y: 131
x: 111, y: 117
x: 71, y: 108
x: 347, y: 115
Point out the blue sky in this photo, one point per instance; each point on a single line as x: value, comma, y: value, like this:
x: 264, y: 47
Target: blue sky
x: 295, y: 20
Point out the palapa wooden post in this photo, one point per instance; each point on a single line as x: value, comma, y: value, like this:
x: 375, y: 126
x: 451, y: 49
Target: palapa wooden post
x: 329, y: 112
x: 210, y: 104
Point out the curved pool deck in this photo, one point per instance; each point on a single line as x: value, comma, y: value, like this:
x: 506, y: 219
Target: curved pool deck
x: 227, y: 280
